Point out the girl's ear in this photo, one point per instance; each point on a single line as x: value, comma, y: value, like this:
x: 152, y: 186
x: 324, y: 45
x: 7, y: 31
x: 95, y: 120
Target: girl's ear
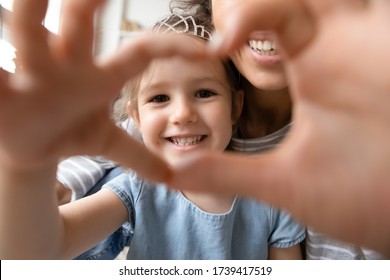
x: 237, y: 105
x: 133, y: 114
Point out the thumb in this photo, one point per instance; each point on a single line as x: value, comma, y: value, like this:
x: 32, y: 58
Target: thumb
x: 291, y: 21
x: 134, y: 56
x: 131, y: 153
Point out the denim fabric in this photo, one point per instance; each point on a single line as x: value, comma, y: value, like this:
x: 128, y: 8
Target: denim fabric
x: 110, y: 247
x: 171, y: 227
x: 166, y: 225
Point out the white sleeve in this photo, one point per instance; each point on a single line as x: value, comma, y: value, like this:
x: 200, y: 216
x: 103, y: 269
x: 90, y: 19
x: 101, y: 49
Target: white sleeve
x: 81, y: 173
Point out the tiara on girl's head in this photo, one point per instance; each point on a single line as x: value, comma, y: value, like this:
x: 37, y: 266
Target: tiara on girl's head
x: 182, y: 25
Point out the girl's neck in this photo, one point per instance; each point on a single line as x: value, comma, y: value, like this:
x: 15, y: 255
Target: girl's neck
x: 264, y: 112
x: 211, y: 203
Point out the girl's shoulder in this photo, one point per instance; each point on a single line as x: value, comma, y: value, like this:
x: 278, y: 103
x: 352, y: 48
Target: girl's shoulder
x: 130, y: 186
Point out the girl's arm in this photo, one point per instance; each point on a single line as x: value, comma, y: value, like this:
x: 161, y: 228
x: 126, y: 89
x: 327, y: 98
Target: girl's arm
x: 90, y: 220
x: 290, y: 253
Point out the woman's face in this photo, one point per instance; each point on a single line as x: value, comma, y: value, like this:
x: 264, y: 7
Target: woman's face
x: 258, y: 61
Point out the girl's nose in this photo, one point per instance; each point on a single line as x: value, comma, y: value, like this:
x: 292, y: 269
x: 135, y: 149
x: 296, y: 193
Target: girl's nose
x: 183, y: 112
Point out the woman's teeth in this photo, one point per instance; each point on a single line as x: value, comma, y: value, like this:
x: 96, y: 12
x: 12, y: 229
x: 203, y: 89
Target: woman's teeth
x: 264, y: 47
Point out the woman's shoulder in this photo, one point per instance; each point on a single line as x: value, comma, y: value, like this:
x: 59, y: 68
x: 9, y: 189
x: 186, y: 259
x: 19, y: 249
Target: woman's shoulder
x: 259, y: 144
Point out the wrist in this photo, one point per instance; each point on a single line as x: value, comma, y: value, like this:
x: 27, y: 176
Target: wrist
x: 28, y: 173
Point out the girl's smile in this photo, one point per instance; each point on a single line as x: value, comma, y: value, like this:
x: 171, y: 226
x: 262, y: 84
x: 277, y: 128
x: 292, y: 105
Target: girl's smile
x: 186, y: 140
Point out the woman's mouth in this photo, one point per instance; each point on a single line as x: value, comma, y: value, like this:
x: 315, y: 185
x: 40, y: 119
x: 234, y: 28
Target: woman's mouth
x: 264, y: 47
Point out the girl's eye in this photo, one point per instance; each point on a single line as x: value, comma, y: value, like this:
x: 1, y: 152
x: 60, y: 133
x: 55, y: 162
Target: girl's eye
x: 159, y: 98
x: 204, y: 93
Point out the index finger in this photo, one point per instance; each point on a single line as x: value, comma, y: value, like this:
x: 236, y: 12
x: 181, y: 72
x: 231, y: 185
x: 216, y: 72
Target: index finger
x: 132, y: 58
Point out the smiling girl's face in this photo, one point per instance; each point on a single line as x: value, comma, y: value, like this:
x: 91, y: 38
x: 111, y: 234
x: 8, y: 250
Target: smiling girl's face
x: 185, y: 106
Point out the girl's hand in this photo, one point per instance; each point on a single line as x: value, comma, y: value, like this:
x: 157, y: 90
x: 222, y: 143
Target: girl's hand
x: 332, y: 171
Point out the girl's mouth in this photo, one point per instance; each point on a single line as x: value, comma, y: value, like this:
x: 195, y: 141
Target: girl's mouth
x: 186, y: 141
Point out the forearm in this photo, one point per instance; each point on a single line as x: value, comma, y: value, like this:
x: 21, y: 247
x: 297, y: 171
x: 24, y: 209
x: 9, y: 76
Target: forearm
x: 30, y: 225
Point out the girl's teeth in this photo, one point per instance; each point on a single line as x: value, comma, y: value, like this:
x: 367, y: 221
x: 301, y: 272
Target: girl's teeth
x: 185, y: 141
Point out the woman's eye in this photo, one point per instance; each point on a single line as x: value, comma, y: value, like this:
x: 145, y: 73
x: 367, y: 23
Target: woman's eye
x: 204, y: 93
x: 159, y: 99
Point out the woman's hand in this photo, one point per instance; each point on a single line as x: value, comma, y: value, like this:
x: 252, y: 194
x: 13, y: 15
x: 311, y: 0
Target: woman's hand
x: 59, y: 101
x: 332, y: 171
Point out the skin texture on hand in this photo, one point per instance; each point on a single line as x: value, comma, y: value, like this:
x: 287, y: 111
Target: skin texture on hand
x: 331, y: 172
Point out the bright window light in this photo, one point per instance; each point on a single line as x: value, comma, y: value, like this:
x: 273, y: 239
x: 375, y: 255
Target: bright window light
x: 7, y: 56
x: 7, y: 51
x: 7, y: 4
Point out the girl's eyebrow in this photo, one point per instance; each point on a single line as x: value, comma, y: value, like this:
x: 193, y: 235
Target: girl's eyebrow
x: 195, y: 81
x: 155, y: 86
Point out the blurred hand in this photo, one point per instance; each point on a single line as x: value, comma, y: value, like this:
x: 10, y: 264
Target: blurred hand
x: 332, y: 171
x: 59, y: 101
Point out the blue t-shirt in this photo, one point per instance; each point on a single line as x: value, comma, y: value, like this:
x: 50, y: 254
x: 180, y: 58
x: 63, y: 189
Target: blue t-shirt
x: 166, y: 225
